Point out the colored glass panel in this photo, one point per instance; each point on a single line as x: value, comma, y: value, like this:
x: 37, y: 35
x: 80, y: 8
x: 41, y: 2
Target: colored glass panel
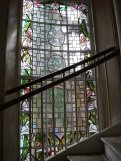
x: 92, y: 107
x: 42, y: 54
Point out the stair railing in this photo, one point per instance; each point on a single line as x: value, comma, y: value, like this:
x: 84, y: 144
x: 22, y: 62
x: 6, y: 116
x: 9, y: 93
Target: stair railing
x: 108, y: 53
x: 50, y: 143
x: 92, y: 58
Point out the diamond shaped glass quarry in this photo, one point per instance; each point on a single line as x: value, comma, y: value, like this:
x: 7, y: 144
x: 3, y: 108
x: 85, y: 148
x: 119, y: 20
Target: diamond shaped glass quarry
x: 55, y: 63
x: 56, y: 37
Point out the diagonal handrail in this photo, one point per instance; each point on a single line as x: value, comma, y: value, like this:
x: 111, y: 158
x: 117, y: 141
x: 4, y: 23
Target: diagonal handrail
x: 39, y: 80
x: 6, y: 105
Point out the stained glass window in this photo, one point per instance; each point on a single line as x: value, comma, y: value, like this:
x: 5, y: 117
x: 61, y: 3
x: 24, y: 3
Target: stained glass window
x: 54, y: 36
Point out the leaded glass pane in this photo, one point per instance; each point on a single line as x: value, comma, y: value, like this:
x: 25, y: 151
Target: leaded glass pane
x: 54, y: 36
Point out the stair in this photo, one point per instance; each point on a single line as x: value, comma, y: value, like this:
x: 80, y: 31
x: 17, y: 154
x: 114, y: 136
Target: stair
x: 92, y: 149
x: 112, y: 148
x: 87, y: 158
x: 112, y: 152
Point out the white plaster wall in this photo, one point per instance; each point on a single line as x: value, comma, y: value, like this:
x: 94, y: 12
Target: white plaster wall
x: 108, y: 73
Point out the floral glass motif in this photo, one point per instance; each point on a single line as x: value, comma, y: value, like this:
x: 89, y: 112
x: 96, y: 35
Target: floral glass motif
x: 92, y: 107
x: 54, y: 36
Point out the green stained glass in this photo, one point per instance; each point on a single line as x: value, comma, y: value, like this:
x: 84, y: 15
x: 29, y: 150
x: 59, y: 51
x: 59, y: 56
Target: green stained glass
x: 84, y: 28
x: 92, y: 117
x: 25, y: 149
x: 24, y: 119
x: 91, y: 85
x: 26, y: 63
x: 92, y: 121
x: 27, y: 24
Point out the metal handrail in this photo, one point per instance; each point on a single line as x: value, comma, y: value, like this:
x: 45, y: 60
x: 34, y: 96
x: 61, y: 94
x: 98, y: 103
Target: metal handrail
x: 6, y: 105
x: 39, y: 80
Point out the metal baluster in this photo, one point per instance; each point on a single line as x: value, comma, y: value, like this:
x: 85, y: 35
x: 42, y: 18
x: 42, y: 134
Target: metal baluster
x: 46, y: 116
x: 53, y: 115
x: 85, y: 101
x: 76, y: 110
x: 42, y: 127
x: 65, y: 130
x: 30, y: 100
